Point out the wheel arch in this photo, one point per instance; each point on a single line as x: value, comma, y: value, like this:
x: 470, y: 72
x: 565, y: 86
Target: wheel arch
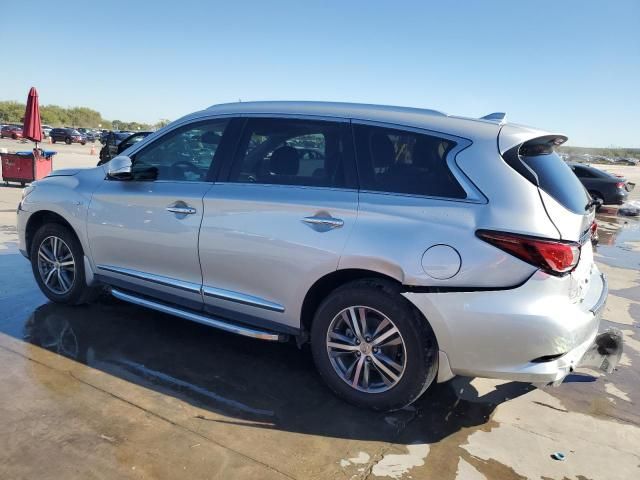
x: 41, y: 217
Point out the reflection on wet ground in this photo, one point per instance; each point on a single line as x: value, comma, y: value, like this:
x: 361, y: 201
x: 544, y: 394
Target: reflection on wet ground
x: 266, y: 385
x: 619, y: 240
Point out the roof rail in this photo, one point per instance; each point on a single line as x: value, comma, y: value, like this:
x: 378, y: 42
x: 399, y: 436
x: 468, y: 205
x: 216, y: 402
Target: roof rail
x: 499, y: 117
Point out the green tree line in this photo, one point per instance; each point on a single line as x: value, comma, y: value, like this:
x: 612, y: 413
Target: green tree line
x: 56, y: 116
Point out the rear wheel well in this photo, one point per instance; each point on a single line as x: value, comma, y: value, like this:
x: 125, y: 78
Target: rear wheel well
x: 40, y: 218
x: 325, y: 285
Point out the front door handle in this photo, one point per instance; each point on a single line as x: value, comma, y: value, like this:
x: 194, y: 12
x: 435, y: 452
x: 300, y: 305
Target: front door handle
x: 181, y: 208
x: 327, y: 221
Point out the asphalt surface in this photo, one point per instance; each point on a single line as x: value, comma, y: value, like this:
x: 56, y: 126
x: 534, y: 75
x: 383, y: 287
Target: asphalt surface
x: 111, y: 390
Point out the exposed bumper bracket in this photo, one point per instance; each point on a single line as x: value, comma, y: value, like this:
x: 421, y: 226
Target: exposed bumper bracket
x: 605, y: 352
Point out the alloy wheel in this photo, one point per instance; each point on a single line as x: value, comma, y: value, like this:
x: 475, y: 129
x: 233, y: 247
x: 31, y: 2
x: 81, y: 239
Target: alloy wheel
x: 56, y: 265
x: 366, y: 349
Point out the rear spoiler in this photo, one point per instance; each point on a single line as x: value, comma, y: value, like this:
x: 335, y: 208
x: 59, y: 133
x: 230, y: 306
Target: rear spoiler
x: 528, y: 140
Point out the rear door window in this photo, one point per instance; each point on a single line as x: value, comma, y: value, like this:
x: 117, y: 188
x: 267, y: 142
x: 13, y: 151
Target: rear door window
x: 400, y: 161
x: 294, y: 152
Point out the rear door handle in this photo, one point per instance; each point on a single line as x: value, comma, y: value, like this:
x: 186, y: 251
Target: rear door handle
x: 328, y: 221
x: 181, y: 208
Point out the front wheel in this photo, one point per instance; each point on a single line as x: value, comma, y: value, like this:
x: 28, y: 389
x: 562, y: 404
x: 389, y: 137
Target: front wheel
x: 372, y: 347
x: 53, y: 140
x: 57, y: 261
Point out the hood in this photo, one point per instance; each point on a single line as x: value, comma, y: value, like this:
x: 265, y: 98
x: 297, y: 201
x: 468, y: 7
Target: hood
x: 66, y: 172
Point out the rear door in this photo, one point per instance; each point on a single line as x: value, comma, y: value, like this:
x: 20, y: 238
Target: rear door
x: 279, y: 220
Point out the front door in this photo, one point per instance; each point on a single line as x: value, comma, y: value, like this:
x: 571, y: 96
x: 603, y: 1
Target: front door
x: 143, y: 232
x: 280, y: 220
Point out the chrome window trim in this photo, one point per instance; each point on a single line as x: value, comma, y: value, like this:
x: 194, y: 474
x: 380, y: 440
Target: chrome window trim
x: 150, y: 277
x: 242, y: 298
x: 474, y: 195
x: 284, y: 185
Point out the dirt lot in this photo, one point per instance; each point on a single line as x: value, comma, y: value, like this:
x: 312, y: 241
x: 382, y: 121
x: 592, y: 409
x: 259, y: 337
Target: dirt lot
x: 115, y: 391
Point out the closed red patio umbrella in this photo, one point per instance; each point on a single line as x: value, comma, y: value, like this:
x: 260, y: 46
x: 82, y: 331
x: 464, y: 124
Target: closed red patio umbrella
x: 32, y: 128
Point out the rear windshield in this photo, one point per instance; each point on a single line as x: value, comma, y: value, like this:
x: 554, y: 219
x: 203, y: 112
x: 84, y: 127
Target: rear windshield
x: 557, y: 179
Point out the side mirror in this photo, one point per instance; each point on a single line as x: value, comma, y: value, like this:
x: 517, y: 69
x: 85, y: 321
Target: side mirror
x: 119, y: 168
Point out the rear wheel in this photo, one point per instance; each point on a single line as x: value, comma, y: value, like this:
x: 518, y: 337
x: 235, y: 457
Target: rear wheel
x: 372, y: 347
x: 57, y: 261
x: 67, y: 141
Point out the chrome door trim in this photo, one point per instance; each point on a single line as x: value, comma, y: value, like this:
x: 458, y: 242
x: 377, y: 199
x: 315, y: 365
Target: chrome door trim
x: 195, y: 317
x: 150, y: 277
x: 242, y: 298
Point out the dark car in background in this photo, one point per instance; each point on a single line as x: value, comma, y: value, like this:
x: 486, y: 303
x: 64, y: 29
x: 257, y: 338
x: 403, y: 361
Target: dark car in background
x: 117, y: 142
x: 67, y: 135
x: 88, y: 134
x: 11, y: 131
x: 604, y: 187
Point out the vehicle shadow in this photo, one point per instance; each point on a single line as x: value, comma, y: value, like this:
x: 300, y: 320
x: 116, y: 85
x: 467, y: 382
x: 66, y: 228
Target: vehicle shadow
x: 241, y: 380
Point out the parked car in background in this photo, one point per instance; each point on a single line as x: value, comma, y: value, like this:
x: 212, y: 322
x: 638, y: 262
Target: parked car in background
x: 627, y: 161
x: 88, y: 134
x: 391, y: 249
x: 11, y: 131
x: 117, y: 142
x: 604, y: 187
x: 46, y: 130
x: 67, y: 135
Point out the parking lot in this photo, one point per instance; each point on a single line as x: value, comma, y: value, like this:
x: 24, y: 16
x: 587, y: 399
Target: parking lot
x: 111, y: 390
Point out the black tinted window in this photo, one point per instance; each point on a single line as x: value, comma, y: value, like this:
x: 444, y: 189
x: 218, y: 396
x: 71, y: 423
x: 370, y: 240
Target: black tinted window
x: 557, y: 179
x: 399, y: 161
x: 583, y: 172
x: 185, y: 154
x: 293, y: 152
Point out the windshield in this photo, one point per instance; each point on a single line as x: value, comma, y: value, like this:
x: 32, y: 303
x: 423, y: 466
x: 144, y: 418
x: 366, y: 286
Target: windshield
x: 557, y: 179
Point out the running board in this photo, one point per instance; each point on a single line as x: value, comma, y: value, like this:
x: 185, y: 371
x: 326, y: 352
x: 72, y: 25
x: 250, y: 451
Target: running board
x: 204, y: 319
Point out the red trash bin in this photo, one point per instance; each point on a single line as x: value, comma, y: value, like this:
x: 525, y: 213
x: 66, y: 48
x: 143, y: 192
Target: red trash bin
x: 25, y: 167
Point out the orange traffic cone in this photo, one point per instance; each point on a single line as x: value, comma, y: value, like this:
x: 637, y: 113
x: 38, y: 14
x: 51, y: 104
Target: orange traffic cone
x: 93, y: 150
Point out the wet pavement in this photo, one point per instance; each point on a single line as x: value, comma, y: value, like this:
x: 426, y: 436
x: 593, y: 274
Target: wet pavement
x: 111, y: 390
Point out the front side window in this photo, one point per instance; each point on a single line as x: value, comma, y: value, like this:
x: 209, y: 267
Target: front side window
x: 185, y: 154
x: 399, y: 161
x: 292, y: 152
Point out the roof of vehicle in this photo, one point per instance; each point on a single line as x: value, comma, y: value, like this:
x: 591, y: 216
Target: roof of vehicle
x: 405, y: 116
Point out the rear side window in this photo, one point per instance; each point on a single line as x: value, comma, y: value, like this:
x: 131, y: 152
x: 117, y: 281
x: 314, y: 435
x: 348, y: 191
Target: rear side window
x: 293, y: 152
x: 399, y: 161
x: 557, y: 179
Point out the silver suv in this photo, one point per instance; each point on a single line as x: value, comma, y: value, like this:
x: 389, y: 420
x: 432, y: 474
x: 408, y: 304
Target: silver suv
x: 404, y: 245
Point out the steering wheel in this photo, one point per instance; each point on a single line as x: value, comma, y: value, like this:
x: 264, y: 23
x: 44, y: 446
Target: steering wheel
x: 185, y: 166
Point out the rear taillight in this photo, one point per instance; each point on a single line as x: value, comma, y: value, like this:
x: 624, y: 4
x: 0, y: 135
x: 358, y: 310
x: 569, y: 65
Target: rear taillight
x: 552, y: 256
x: 620, y: 185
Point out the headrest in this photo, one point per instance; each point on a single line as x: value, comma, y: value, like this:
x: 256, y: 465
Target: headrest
x: 210, y: 138
x: 284, y: 161
x: 383, y: 154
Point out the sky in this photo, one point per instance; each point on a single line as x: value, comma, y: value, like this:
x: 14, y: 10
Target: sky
x: 570, y: 66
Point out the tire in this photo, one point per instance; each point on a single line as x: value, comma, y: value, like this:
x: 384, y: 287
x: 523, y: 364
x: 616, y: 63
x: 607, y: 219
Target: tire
x: 67, y: 141
x: 14, y: 136
x: 53, y: 140
x: 83, y: 143
x: 415, y: 357
x: 77, y: 292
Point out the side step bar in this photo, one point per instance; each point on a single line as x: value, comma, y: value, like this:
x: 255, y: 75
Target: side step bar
x: 204, y: 319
